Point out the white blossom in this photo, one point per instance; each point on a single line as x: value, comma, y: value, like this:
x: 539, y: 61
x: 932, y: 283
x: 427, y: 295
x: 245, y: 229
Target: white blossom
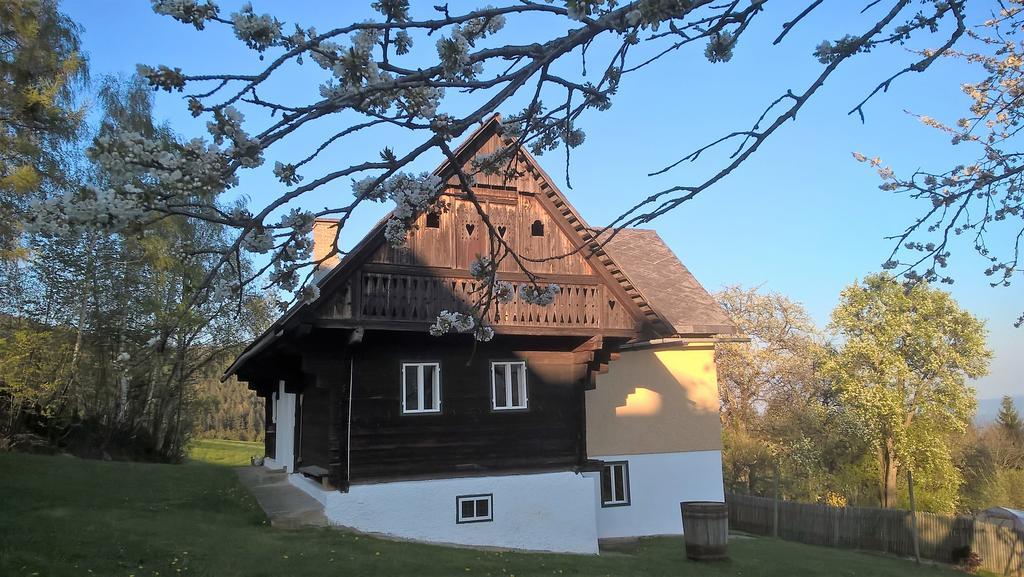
x: 454, y: 50
x: 411, y: 194
x: 301, y: 221
x: 395, y: 232
x: 364, y: 188
x: 504, y: 292
x: 420, y: 101
x: 308, y: 293
x: 223, y: 289
x: 90, y: 207
x: 259, y: 32
x: 325, y: 54
x: 285, y: 277
x: 258, y: 240
x: 227, y: 124
x: 442, y: 124
x: 531, y: 294
x: 481, y: 267
x: 187, y: 11
x: 286, y: 173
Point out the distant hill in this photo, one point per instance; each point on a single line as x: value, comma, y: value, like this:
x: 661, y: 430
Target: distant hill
x: 989, y: 408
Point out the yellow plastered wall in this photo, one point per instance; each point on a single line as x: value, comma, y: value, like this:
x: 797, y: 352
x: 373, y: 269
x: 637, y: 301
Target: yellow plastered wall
x: 656, y: 401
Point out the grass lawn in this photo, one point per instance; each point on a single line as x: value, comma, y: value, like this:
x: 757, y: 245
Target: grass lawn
x: 222, y: 452
x: 66, y: 516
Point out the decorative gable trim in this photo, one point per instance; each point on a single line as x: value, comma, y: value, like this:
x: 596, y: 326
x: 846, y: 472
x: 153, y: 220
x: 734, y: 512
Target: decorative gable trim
x: 599, y: 259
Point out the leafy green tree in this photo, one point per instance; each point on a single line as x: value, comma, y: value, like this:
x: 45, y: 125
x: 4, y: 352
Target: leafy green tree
x: 778, y: 410
x: 902, y: 372
x: 41, y: 67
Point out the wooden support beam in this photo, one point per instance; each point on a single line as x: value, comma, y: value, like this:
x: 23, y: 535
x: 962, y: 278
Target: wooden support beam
x: 594, y: 343
x: 582, y: 357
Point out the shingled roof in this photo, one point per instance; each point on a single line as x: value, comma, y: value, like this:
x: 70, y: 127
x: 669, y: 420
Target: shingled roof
x: 652, y: 267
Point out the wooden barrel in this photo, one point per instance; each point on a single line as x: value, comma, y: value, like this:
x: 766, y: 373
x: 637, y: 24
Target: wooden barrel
x: 705, y: 529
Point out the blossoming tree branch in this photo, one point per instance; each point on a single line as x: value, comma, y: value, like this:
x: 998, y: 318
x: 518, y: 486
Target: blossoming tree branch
x: 368, y: 75
x: 973, y: 198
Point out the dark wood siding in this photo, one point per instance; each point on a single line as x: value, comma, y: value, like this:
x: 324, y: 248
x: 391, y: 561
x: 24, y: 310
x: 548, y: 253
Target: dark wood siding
x: 466, y: 436
x: 314, y: 424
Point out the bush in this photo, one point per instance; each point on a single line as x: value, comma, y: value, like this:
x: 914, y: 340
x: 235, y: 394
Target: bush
x: 966, y: 559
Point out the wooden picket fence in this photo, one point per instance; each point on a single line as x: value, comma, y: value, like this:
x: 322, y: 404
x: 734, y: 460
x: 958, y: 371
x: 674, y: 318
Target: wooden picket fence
x: 887, y: 530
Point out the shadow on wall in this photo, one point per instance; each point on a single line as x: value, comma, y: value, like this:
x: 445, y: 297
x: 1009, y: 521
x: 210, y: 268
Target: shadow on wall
x: 656, y: 401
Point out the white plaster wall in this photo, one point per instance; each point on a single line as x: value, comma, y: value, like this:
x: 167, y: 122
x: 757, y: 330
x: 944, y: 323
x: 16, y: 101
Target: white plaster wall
x: 284, y: 443
x: 657, y: 484
x: 543, y: 512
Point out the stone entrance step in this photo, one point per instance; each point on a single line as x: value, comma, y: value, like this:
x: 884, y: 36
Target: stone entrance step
x: 285, y: 505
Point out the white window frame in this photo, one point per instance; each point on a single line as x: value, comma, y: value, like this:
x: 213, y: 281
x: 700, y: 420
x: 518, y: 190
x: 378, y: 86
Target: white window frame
x: 617, y: 500
x: 524, y: 396
x: 420, y: 367
x: 459, y: 519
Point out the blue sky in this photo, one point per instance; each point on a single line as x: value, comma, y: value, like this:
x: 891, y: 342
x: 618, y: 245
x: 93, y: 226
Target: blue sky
x: 801, y: 217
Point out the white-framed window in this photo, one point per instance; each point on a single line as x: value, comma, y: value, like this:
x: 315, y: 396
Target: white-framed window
x: 421, y: 388
x: 474, y: 508
x: 508, y: 385
x: 615, y: 484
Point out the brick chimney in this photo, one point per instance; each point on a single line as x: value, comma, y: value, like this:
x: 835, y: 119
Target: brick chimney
x: 324, y: 232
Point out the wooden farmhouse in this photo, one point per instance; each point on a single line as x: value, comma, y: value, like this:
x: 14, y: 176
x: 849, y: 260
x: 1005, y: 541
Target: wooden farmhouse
x: 590, y: 418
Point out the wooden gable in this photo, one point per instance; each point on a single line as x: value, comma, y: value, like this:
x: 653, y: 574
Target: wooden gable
x: 405, y: 288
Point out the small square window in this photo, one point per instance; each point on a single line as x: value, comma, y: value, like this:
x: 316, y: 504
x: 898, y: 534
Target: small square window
x: 421, y: 388
x: 433, y: 220
x: 615, y: 484
x: 473, y: 508
x: 508, y: 385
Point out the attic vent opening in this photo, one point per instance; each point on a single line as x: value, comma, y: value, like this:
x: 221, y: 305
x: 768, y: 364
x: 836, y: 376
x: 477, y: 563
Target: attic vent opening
x: 433, y: 220
x: 537, y: 229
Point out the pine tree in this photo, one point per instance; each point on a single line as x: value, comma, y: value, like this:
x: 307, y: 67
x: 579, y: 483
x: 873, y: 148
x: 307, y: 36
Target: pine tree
x: 1009, y: 418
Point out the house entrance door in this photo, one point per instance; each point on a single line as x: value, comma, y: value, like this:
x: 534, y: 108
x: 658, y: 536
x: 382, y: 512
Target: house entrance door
x: 285, y: 442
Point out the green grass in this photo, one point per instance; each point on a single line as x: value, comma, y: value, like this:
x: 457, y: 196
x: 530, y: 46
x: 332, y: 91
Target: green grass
x: 66, y: 516
x: 222, y: 452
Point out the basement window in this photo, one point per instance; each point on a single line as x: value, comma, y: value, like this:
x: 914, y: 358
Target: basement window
x: 508, y: 385
x: 615, y: 484
x: 474, y: 508
x: 421, y: 388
